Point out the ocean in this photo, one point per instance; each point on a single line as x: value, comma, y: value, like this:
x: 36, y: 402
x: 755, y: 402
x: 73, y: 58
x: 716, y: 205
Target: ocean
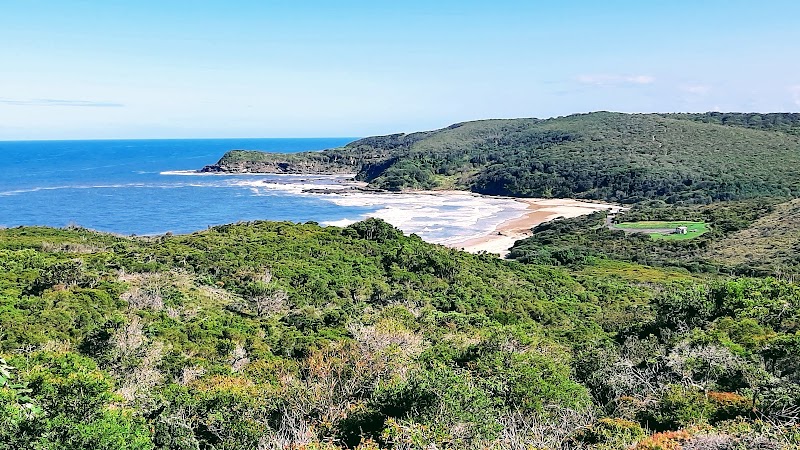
x: 147, y: 187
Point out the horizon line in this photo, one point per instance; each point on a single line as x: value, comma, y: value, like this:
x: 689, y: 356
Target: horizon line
x: 384, y: 134
x: 175, y: 139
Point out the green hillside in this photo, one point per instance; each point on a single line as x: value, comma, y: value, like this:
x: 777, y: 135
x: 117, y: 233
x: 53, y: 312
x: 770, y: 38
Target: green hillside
x: 771, y: 244
x: 609, y: 156
x: 748, y: 237
x: 325, y: 338
x: 274, y: 335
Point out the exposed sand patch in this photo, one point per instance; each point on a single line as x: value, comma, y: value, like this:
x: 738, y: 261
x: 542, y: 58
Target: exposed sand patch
x: 474, y: 223
x: 503, y: 237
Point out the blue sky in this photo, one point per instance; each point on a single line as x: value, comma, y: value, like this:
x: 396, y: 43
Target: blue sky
x: 174, y: 68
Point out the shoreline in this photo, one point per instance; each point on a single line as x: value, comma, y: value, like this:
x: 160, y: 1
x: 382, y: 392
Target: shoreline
x: 538, y: 211
x: 481, y: 223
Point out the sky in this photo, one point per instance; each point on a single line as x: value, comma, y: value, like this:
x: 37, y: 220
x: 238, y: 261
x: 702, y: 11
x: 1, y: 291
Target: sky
x: 108, y: 69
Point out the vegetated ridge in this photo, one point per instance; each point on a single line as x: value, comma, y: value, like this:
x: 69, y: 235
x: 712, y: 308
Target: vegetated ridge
x: 750, y: 237
x: 771, y: 243
x: 691, y: 158
x: 268, y: 335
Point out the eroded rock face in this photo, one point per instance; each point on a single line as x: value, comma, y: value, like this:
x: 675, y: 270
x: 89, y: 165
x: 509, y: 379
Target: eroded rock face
x: 212, y: 168
x: 288, y: 167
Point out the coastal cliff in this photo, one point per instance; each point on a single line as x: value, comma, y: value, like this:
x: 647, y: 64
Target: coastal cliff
x: 330, y: 162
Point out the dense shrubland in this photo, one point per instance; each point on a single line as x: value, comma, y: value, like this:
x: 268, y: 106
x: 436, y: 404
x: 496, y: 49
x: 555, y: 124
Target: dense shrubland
x: 752, y: 237
x: 274, y: 335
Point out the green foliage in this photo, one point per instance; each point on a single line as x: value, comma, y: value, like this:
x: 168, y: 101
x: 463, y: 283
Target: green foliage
x: 262, y: 333
x: 678, y: 408
x: 771, y: 245
x: 373, y: 230
x: 717, y: 247
x: 781, y: 122
x: 611, y: 433
x: 617, y: 157
x: 17, y: 400
x: 530, y: 381
x: 68, y: 406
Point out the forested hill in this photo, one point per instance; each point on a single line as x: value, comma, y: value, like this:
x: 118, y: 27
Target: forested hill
x: 602, y: 155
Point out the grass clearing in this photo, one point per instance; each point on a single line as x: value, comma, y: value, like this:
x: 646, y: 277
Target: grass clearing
x: 665, y: 229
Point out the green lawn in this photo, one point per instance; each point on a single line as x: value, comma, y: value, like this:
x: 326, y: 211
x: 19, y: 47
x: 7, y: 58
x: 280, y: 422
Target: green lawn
x: 695, y: 229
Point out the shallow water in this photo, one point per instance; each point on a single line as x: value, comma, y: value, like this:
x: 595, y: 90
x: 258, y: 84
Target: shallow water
x: 142, y: 187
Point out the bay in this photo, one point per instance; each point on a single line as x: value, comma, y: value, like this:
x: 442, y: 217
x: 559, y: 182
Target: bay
x: 119, y: 185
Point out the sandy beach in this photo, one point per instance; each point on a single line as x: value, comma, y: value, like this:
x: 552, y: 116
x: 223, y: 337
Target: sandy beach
x: 503, y: 237
x: 476, y: 223
x: 456, y: 219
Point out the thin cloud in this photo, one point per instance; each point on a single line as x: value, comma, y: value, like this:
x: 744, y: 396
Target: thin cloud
x: 58, y: 102
x: 696, y: 89
x: 615, y: 80
x: 795, y: 90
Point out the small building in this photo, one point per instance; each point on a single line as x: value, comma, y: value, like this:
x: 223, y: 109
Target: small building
x: 681, y: 230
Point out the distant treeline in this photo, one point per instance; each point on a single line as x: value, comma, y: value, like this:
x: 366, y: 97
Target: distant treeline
x: 785, y: 122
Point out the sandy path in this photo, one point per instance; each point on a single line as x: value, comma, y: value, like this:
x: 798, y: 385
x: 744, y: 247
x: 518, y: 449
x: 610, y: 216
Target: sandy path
x: 539, y: 211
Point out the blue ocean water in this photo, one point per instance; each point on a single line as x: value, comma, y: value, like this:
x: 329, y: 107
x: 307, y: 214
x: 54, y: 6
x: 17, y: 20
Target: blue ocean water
x: 119, y: 186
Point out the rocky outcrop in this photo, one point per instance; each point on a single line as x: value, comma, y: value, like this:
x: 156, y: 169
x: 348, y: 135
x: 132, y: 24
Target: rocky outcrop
x: 328, y: 162
x: 284, y: 167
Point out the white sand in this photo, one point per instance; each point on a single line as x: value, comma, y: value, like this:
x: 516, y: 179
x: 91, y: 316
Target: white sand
x: 538, y: 211
x: 441, y: 217
x: 456, y: 219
